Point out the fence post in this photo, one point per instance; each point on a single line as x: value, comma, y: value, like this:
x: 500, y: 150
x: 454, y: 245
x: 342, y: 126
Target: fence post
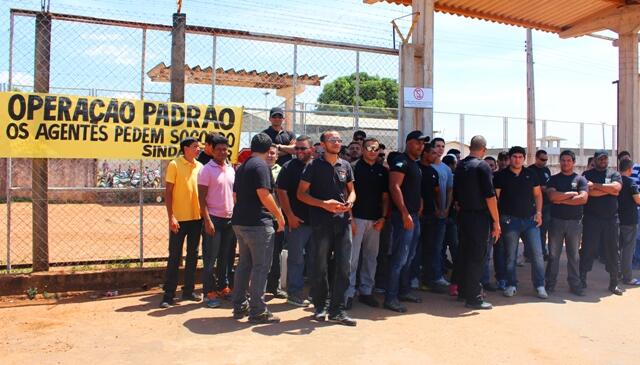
x: 295, y: 85
x: 461, y: 140
x: 39, y: 166
x: 582, y: 160
x: 140, y: 191
x: 213, y: 69
x: 356, y: 99
x: 177, y: 57
x: 505, y: 132
x: 8, y: 194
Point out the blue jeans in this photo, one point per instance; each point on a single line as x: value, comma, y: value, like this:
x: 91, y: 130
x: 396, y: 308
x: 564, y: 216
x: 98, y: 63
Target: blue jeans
x: 512, y: 229
x: 298, y: 241
x: 255, y: 245
x: 499, y: 263
x: 223, y: 236
x: 402, y: 253
x: 636, y: 254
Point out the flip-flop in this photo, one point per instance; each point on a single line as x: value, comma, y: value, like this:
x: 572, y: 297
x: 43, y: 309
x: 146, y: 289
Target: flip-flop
x: 633, y: 282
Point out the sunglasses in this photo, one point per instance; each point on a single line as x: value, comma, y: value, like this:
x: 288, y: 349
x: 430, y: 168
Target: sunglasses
x: 373, y: 149
x: 544, y: 159
x: 334, y: 140
x: 301, y: 148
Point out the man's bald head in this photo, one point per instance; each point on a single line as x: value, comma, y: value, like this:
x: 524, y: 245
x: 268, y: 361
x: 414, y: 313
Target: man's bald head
x: 478, y: 144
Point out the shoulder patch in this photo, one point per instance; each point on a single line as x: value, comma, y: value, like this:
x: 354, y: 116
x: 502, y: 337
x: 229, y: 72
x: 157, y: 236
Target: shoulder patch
x: 400, y: 164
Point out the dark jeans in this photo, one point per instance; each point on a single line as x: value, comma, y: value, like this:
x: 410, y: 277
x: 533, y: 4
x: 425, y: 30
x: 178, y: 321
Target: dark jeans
x: 331, y: 237
x: 273, y: 282
x: 569, y: 233
x: 226, y: 259
x: 474, y: 230
x: 402, y: 253
x: 594, y: 231
x: 627, y: 248
x: 223, y: 236
x: 486, y: 270
x: 544, y: 229
x: 256, y: 248
x: 499, y: 261
x: 383, y: 255
x: 428, y: 254
x: 191, y: 231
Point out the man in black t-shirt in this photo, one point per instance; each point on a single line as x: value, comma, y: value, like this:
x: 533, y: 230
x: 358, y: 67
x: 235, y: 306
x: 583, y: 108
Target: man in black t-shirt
x: 252, y: 221
x: 628, y: 202
x: 283, y: 139
x: 430, y: 193
x: 369, y: 211
x: 297, y: 214
x: 520, y: 203
x: 543, y: 172
x: 478, y: 217
x: 327, y: 187
x: 600, y: 223
x: 567, y: 192
x: 405, y: 178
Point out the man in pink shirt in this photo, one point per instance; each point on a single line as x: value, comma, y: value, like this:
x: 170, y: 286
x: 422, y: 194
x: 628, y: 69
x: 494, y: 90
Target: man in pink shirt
x: 215, y: 191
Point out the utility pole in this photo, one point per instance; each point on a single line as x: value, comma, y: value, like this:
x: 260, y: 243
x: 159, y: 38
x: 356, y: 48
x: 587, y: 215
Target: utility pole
x: 531, y: 103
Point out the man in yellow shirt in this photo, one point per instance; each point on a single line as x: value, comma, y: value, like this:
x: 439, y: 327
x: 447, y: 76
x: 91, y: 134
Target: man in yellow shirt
x: 183, y: 211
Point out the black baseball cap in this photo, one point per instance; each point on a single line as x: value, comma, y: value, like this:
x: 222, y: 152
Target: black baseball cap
x: 600, y: 153
x: 276, y: 111
x: 417, y: 135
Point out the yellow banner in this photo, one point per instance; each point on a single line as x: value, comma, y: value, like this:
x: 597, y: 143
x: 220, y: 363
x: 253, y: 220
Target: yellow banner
x: 36, y: 125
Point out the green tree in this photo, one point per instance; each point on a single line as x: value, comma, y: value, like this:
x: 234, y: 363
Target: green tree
x: 376, y: 93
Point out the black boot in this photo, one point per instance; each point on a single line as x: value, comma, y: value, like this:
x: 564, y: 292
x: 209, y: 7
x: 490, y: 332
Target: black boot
x: 583, y: 280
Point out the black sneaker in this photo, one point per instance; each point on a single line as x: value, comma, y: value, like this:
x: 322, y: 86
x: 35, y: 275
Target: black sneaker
x: 577, y: 291
x: 410, y: 298
x: 489, y: 287
x: 349, y: 304
x: 343, y: 318
x: 279, y: 293
x: 193, y: 297
x: 479, y: 305
x: 320, y: 314
x: 239, y: 313
x: 395, y: 306
x: 167, y: 303
x: 298, y: 301
x: 266, y: 317
x: 369, y: 300
x: 550, y: 288
x: 615, y: 290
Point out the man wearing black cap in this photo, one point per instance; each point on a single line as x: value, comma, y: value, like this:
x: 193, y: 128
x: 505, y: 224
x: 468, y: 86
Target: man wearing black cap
x: 405, y: 179
x: 600, y: 223
x: 283, y: 139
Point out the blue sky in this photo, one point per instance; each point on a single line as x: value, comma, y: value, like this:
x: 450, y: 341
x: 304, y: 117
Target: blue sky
x: 479, y: 66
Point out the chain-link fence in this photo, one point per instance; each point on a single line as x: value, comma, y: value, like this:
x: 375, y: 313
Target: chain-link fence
x: 88, y: 212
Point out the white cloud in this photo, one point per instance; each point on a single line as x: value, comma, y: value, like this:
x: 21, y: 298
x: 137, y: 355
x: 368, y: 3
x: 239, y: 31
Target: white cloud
x: 121, y: 55
x: 19, y: 78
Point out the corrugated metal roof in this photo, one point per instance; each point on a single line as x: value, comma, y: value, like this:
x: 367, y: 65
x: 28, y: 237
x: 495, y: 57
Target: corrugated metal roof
x: 546, y: 15
x: 231, y: 77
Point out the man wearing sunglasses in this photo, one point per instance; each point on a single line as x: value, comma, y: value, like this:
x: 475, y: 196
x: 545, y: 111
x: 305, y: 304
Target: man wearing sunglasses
x: 327, y: 187
x: 371, y: 185
x: 543, y: 173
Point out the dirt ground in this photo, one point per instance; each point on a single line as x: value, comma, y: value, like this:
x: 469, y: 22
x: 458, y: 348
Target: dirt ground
x: 564, y: 329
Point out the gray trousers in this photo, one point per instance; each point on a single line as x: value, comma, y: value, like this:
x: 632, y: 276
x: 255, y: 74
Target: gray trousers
x: 569, y: 233
x: 255, y: 245
x: 627, y: 248
x: 367, y: 241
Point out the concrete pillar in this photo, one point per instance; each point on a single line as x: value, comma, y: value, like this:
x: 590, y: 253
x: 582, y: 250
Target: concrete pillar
x: 628, y: 120
x: 425, y: 39
x: 177, y: 57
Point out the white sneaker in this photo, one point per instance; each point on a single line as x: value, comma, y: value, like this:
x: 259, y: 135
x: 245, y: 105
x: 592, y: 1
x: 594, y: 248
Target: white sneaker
x: 415, y: 283
x: 443, y: 282
x: 510, y: 291
x: 542, y: 293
